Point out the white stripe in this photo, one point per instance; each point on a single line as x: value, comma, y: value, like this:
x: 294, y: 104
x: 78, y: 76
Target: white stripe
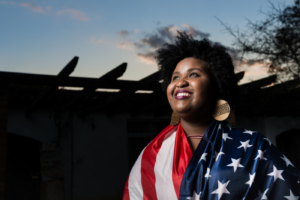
x: 163, y: 169
x: 134, y: 182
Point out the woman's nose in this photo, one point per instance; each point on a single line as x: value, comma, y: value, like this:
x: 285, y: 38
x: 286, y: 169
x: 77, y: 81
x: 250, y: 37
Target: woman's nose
x: 182, y: 83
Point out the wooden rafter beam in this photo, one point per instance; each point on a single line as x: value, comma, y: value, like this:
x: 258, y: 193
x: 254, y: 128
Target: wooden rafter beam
x: 82, y: 82
x: 245, y: 88
x: 162, y: 106
x: 239, y: 76
x: 110, y: 76
x: 149, y: 81
x: 61, y: 76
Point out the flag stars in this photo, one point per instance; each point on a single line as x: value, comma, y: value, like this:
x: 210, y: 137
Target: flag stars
x: 248, y: 132
x: 220, y: 126
x: 292, y: 196
x: 287, y: 161
x: 207, y: 175
x: 251, y: 177
x: 262, y: 196
x: 276, y: 173
x: 245, y: 145
x: 221, y: 189
x: 195, y: 196
x: 235, y: 164
x: 225, y: 137
x: 229, y: 126
x: 217, y: 155
x: 203, y: 157
x: 269, y: 141
x: 260, y: 155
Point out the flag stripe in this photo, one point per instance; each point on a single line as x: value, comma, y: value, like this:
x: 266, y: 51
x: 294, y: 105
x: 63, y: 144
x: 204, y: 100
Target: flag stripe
x: 148, y: 162
x: 181, y: 159
x: 126, y: 192
x: 163, y: 169
x: 135, y: 189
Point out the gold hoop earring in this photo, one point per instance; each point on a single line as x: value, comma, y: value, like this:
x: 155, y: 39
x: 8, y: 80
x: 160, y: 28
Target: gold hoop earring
x: 221, y: 111
x: 174, y: 119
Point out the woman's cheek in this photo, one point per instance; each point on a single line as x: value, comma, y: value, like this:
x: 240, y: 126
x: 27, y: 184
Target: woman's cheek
x: 170, y: 90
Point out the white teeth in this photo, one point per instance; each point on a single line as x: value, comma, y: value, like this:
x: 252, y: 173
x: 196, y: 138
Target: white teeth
x: 183, y: 94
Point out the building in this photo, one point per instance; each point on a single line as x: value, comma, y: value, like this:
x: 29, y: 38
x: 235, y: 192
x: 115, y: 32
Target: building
x: 58, y: 143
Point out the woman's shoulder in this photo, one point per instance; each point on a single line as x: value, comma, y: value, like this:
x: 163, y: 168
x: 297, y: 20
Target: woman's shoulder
x: 247, y: 134
x: 263, y: 149
x: 149, y: 154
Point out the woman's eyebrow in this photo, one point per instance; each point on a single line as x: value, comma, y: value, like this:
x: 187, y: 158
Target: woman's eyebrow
x: 192, y: 69
x: 175, y: 73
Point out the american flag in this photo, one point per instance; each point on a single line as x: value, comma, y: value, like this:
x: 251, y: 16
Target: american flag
x: 230, y: 163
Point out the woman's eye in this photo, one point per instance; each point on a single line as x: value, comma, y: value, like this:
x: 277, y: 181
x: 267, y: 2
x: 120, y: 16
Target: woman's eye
x: 194, y: 75
x: 175, y: 78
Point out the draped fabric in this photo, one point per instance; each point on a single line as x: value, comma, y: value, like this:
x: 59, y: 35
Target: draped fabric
x: 234, y: 163
x: 159, y: 169
x: 229, y: 163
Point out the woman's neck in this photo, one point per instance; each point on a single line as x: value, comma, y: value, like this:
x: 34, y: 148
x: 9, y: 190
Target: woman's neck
x: 195, y: 127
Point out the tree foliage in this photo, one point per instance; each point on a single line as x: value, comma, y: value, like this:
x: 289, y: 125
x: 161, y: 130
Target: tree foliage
x: 274, y: 40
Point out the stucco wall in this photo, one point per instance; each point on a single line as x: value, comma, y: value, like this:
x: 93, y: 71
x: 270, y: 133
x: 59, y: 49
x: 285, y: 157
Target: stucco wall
x: 269, y: 126
x: 100, y: 150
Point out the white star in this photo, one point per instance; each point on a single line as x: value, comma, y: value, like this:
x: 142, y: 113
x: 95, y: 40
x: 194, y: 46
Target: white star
x: 245, y: 144
x: 287, y: 161
x: 220, y: 126
x: 268, y: 141
x: 229, y: 126
x: 207, y: 175
x: 203, y: 157
x: 259, y: 196
x: 217, y: 155
x: 221, y: 189
x: 249, y: 132
x: 262, y: 196
x: 235, y: 164
x: 260, y: 155
x: 276, y: 173
x: 225, y: 136
x: 292, y: 196
x: 195, y: 196
x: 251, y: 177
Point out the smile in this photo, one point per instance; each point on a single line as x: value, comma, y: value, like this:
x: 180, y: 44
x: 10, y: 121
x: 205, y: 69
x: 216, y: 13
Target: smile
x: 182, y: 95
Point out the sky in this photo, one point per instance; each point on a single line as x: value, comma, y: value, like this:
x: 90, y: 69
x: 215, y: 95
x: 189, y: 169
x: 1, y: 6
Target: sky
x: 42, y: 36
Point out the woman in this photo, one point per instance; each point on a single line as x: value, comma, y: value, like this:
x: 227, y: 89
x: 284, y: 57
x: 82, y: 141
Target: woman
x: 200, y: 157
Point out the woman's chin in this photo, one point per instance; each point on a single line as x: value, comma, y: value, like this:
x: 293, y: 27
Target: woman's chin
x: 192, y: 114
x: 183, y: 113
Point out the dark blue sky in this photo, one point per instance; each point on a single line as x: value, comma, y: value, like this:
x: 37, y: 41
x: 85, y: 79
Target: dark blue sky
x: 42, y: 36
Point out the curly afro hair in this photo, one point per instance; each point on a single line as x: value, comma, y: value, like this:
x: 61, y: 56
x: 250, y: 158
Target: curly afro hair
x: 216, y: 55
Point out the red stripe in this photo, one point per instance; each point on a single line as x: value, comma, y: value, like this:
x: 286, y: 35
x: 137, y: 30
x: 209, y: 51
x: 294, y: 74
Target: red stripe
x: 148, y: 162
x: 126, y: 191
x: 181, y: 159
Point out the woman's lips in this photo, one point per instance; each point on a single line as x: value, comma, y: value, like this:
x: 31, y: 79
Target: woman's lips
x: 182, y: 94
x: 183, y: 97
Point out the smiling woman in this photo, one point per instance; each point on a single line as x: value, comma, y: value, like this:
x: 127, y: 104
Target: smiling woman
x: 191, y: 94
x: 199, y: 157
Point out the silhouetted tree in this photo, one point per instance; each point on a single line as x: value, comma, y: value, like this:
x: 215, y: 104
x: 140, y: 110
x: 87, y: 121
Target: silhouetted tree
x: 274, y: 40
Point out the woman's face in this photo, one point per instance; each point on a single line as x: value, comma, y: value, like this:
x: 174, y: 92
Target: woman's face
x: 190, y: 92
